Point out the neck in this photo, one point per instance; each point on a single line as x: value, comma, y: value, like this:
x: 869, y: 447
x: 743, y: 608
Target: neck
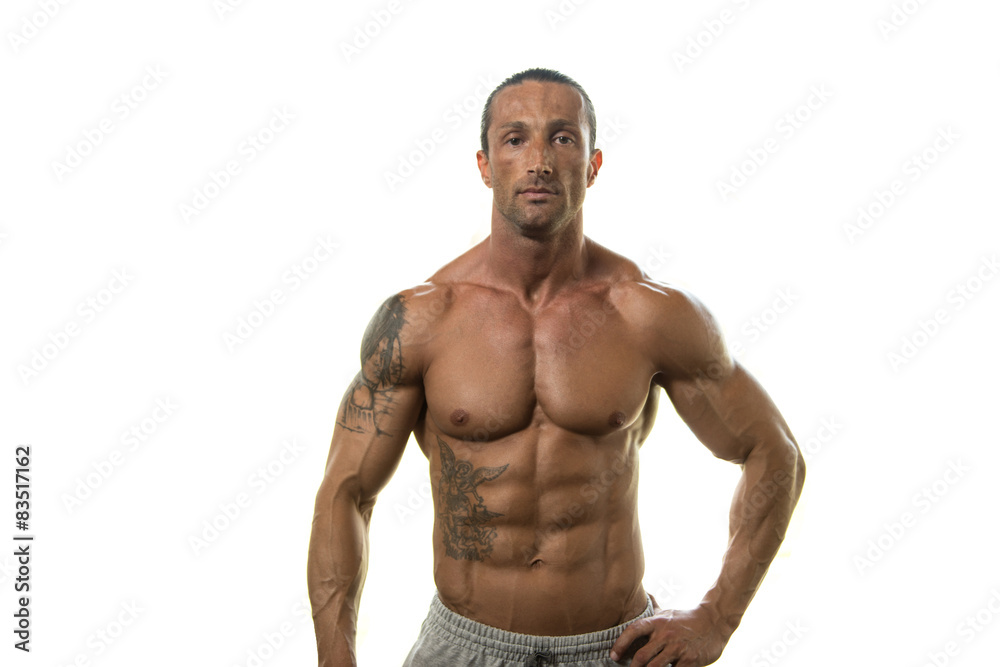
x: 536, y: 267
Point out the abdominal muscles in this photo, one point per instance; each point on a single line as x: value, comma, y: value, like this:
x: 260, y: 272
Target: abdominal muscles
x: 538, y: 532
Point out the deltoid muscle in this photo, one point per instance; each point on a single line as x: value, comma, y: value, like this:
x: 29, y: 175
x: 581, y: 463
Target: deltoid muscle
x: 381, y: 369
x: 462, y: 512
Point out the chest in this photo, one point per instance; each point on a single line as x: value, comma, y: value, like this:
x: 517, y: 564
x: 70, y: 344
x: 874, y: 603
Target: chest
x: 497, y: 369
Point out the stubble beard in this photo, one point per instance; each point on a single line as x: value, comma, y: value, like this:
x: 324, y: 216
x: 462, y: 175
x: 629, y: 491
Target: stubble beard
x: 528, y: 218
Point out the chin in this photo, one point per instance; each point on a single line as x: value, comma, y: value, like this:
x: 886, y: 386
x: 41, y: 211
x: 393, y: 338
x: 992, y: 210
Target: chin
x: 538, y: 228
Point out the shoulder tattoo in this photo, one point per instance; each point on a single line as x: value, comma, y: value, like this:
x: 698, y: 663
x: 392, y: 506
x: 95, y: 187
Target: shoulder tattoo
x: 370, y: 395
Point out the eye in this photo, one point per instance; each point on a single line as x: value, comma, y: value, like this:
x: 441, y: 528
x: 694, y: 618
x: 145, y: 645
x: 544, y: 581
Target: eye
x: 568, y: 141
x: 512, y: 141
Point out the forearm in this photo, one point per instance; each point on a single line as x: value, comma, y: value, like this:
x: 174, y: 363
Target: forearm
x: 338, y: 562
x: 761, y: 510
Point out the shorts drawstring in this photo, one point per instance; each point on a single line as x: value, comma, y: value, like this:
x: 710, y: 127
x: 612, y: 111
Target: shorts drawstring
x: 540, y: 659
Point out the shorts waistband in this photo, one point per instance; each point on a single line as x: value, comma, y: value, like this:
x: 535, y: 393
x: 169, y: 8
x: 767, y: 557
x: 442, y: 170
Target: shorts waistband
x: 516, y: 646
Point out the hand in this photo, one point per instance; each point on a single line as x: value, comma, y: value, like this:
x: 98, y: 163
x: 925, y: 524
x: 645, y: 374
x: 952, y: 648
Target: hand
x: 679, y: 638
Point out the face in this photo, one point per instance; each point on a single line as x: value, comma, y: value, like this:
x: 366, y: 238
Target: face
x: 540, y: 164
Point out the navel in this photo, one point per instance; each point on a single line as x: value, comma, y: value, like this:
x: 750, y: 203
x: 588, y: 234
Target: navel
x: 617, y: 418
x: 459, y: 417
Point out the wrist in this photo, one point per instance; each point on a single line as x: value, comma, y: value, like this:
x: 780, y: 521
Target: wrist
x: 724, y: 619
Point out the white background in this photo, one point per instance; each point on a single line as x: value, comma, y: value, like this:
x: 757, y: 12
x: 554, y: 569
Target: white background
x: 858, y: 585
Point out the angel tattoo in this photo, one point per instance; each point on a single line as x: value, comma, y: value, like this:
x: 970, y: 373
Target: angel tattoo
x: 464, y: 517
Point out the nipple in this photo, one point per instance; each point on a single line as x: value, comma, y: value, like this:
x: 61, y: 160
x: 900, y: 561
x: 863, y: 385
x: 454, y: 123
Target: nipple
x: 617, y: 418
x: 459, y: 417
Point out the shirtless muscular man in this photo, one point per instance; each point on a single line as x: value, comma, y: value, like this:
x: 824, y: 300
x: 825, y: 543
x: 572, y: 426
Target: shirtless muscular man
x: 533, y: 564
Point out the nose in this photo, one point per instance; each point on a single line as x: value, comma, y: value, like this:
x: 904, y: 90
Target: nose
x: 540, y: 161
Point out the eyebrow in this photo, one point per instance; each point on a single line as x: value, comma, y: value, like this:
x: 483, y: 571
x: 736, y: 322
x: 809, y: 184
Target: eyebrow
x: 521, y: 125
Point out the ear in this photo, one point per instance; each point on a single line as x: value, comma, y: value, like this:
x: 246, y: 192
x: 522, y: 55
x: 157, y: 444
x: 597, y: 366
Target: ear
x: 484, y: 167
x: 595, y: 165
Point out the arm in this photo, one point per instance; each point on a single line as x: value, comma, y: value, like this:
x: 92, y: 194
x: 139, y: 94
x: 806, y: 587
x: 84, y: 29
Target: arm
x: 376, y: 415
x: 736, y: 420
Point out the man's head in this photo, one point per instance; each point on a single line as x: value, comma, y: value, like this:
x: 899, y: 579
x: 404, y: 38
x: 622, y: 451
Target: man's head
x: 538, y: 151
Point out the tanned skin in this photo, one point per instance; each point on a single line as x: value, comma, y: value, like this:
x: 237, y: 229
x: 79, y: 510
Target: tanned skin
x: 529, y: 371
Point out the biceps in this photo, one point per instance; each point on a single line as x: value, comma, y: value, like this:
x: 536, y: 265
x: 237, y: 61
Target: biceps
x: 372, y: 429
x: 369, y: 406
x: 729, y: 414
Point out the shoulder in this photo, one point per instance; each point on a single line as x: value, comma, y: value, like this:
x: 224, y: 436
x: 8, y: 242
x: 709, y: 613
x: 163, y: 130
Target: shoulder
x: 431, y: 301
x: 398, y: 331
x: 653, y: 303
x: 423, y: 306
x: 410, y: 318
x: 639, y: 296
x: 420, y: 306
x: 676, y: 330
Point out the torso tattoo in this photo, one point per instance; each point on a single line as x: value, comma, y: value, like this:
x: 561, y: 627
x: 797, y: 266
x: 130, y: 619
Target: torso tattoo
x: 463, y: 515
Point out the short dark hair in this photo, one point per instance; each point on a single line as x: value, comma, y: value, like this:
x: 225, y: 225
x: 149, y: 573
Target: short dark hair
x: 544, y: 76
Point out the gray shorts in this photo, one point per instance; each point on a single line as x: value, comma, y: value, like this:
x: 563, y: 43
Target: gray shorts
x: 449, y: 639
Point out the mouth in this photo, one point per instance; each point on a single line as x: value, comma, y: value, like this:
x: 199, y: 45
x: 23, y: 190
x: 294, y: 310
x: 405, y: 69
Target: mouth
x: 536, y: 193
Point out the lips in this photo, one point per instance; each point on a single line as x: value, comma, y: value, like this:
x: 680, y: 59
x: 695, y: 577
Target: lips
x: 536, y: 195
